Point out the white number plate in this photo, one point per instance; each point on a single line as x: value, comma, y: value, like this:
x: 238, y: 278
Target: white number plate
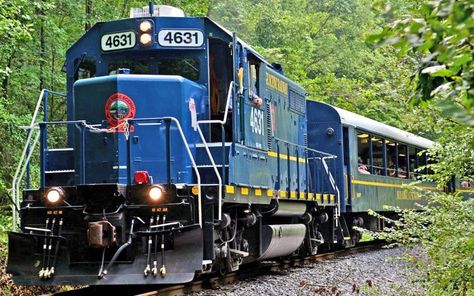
x: 118, y: 41
x: 256, y: 121
x: 180, y: 38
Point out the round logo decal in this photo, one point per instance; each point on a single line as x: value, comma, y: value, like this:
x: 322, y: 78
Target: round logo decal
x: 118, y: 108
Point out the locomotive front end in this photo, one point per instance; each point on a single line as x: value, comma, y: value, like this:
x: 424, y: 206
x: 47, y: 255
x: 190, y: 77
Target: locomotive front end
x: 121, y: 204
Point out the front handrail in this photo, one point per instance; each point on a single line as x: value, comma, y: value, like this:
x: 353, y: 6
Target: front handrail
x: 222, y: 122
x: 43, y: 126
x: 28, y: 148
x: 333, y: 185
x: 84, y: 125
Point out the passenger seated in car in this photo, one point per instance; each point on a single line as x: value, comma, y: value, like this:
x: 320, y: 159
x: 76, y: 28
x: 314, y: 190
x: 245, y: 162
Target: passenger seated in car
x: 362, y: 168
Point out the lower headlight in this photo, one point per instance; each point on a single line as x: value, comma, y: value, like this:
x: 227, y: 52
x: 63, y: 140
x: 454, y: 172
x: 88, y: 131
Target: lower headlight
x: 54, y: 195
x: 145, y: 39
x: 155, y: 193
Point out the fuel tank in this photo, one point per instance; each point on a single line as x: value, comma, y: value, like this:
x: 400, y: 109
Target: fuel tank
x: 281, y: 240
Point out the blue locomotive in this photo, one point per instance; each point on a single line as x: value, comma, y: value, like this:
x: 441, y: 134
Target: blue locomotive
x: 188, y: 153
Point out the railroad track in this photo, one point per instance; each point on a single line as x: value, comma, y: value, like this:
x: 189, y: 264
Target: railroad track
x: 213, y: 281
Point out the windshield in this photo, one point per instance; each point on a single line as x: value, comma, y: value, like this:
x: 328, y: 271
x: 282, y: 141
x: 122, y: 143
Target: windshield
x: 185, y: 67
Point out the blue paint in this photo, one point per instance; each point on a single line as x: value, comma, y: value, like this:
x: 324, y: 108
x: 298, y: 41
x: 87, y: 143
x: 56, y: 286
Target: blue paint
x: 154, y: 96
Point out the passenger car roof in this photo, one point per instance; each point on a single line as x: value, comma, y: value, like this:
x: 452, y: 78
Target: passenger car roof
x: 382, y: 129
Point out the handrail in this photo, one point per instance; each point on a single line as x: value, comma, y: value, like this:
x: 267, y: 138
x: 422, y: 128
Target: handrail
x: 305, y: 148
x: 178, y: 125
x: 188, y: 150
x: 226, y: 111
x: 206, y: 147
x: 333, y: 185
x: 22, y: 165
x: 44, y: 145
x: 326, y: 169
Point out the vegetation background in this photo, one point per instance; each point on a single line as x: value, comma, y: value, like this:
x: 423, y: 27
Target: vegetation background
x: 405, y: 63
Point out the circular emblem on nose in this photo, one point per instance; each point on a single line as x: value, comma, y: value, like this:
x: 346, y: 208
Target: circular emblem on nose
x: 118, y: 108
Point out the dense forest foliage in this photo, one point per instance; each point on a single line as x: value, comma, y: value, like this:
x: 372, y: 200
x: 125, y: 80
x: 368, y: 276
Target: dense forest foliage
x: 405, y: 63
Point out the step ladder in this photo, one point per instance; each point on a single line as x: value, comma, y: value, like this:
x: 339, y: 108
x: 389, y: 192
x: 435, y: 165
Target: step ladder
x: 220, y: 155
x: 208, y: 146
x: 59, y: 167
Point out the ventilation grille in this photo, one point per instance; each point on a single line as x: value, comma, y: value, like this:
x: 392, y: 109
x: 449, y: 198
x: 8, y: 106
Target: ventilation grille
x: 269, y: 126
x: 297, y: 102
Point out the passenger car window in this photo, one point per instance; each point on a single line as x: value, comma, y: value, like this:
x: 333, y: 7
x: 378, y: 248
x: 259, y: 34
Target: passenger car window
x: 422, y: 162
x: 363, y: 148
x: 402, y: 161
x: 377, y: 155
x: 391, y: 152
x: 413, y: 158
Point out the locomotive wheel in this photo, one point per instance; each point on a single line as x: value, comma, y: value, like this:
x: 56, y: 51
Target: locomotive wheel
x: 222, y: 269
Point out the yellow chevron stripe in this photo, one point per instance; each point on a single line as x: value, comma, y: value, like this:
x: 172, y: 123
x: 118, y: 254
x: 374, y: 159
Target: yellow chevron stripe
x: 258, y: 192
x: 244, y: 191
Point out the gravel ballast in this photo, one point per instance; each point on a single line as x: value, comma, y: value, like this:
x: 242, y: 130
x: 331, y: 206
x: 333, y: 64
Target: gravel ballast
x: 378, y: 272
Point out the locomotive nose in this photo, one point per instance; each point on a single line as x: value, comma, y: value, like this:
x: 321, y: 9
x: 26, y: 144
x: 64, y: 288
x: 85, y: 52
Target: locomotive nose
x: 123, y: 106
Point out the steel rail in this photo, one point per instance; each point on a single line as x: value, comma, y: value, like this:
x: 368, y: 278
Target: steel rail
x: 212, y: 281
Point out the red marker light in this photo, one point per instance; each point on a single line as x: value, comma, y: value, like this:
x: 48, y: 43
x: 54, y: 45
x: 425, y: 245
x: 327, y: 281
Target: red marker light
x: 141, y: 177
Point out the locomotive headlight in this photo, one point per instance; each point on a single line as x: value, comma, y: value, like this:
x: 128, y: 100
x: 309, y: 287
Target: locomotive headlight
x: 54, y: 194
x: 145, y: 26
x: 155, y: 193
x: 145, y: 39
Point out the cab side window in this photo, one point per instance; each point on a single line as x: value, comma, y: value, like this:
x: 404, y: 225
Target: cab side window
x: 85, y: 67
x: 253, y: 76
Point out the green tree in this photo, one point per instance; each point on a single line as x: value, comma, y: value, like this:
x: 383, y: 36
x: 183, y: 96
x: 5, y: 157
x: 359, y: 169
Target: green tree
x: 440, y: 34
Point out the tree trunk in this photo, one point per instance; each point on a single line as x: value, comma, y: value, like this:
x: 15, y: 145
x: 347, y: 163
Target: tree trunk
x: 88, y: 14
x: 42, y: 50
x: 6, y: 80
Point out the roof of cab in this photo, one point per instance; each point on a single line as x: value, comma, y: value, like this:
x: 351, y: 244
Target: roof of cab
x: 244, y: 44
x: 382, y: 129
